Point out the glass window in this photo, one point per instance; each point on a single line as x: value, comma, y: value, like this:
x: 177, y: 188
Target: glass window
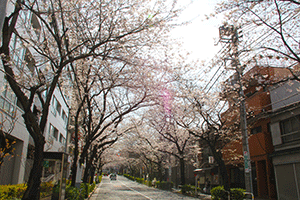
x: 53, y: 105
x: 64, y: 117
x: 53, y: 132
x: 61, y: 139
x: 58, y: 107
x: 8, y: 100
x: 290, y: 129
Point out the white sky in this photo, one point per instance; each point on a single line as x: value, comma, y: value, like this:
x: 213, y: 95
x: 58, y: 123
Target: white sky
x: 198, y: 37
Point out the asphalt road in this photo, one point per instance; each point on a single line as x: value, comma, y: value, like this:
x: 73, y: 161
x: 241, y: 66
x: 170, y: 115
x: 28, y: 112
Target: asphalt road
x: 123, y: 189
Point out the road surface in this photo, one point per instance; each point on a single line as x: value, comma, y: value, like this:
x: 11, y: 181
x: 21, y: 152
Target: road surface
x: 123, y: 189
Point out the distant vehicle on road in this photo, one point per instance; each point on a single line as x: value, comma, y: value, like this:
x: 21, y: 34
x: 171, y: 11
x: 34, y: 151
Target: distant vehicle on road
x: 113, y: 176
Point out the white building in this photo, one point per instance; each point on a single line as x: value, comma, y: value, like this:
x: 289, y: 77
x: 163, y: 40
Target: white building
x: 16, y: 166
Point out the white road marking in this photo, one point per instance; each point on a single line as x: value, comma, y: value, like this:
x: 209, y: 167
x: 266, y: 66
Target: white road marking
x: 135, y: 190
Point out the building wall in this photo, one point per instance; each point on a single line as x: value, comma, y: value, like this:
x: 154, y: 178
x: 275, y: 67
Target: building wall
x: 16, y: 166
x: 286, y: 158
x: 258, y: 101
x: 55, y: 119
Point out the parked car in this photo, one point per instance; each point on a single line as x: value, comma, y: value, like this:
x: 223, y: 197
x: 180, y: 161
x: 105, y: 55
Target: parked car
x: 113, y: 176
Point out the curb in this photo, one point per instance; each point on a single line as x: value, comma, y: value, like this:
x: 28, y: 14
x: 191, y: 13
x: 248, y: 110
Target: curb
x: 90, y: 195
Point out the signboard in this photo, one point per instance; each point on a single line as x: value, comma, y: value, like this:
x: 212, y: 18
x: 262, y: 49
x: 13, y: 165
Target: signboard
x: 46, y: 164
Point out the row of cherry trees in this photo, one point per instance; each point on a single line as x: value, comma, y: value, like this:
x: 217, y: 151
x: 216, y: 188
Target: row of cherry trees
x: 188, y: 113
x: 113, y: 59
x: 97, y: 51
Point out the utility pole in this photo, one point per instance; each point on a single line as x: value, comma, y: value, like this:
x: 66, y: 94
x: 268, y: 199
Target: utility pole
x: 229, y: 34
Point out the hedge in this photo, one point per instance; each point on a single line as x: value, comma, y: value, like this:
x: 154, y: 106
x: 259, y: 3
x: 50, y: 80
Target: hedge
x: 9, y: 192
x: 14, y: 192
x: 219, y: 193
x: 190, y: 189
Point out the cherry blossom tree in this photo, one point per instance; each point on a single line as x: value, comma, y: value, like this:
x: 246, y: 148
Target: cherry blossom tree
x: 178, y: 141
x: 267, y: 30
x: 147, y: 146
x: 61, y: 33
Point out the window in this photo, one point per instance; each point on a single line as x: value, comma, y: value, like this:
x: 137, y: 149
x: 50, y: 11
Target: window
x: 64, y: 117
x: 61, y: 139
x: 290, y: 129
x: 256, y: 130
x: 30, y: 62
x: 53, y: 105
x: 58, y: 107
x: 17, y: 51
x: 8, y: 101
x: 53, y: 132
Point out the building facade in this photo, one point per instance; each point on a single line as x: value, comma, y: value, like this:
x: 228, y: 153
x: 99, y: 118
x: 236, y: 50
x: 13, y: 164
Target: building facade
x: 258, y: 102
x: 16, y: 166
x: 285, y: 129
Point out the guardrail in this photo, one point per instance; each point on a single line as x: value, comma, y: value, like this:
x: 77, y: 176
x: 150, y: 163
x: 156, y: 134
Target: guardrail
x: 248, y: 196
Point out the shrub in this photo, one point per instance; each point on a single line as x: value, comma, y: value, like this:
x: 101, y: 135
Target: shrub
x: 166, y: 185
x: 149, y: 183
x: 157, y: 184
x: 73, y: 193
x: 100, y: 178
x: 139, y: 180
x: 220, y: 193
x: 189, y: 189
x: 46, y: 188
x: 8, y: 192
x: 237, y: 193
x: 129, y: 177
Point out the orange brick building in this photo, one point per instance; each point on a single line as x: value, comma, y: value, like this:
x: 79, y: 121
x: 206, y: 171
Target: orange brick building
x: 258, y: 102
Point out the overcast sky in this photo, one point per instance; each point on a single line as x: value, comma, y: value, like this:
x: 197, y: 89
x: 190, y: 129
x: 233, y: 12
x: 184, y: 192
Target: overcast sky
x: 198, y: 37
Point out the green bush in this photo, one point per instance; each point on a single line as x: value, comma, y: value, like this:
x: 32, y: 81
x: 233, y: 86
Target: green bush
x: 166, y: 185
x: 8, y: 192
x: 148, y: 183
x: 100, y: 178
x: 129, y: 177
x: 237, y: 193
x: 139, y: 180
x: 189, y: 189
x: 219, y: 192
x: 157, y: 184
x: 86, y: 189
x: 73, y: 193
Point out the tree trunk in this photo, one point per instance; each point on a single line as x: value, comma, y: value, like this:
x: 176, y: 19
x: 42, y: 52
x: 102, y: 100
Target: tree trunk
x: 86, y: 170
x: 76, y: 150
x: 89, y: 162
x: 160, y: 173
x: 75, y: 161
x: 74, y: 167
x: 182, y: 175
x: 33, y: 186
x: 222, y: 167
x: 92, y: 174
